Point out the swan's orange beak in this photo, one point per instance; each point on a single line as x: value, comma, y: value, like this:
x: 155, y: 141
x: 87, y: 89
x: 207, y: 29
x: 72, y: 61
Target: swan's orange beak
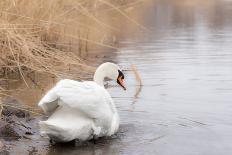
x: 120, y: 81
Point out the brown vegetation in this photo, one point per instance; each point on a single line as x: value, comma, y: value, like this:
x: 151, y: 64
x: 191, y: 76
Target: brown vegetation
x: 50, y: 36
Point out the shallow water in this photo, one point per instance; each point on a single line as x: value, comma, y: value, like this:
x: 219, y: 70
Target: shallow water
x: 185, y: 105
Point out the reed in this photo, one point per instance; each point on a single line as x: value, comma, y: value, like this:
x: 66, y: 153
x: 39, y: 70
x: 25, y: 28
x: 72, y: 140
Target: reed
x: 32, y: 36
x: 49, y: 36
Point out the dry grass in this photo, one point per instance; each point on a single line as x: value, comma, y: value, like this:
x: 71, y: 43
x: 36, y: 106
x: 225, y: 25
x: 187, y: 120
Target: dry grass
x: 35, y: 35
x: 50, y: 36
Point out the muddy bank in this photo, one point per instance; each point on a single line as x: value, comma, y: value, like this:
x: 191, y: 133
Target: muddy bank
x: 16, y: 125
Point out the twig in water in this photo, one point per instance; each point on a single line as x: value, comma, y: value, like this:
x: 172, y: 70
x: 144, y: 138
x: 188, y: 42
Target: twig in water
x: 193, y: 121
x: 139, y: 80
x: 156, y: 138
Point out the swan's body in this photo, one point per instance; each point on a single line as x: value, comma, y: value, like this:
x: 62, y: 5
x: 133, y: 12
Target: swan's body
x: 80, y: 110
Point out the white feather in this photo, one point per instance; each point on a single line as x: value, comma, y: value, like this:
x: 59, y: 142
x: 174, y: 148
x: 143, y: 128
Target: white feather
x: 79, y: 110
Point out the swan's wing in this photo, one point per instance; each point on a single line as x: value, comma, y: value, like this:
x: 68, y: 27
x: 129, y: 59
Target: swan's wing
x: 87, y: 97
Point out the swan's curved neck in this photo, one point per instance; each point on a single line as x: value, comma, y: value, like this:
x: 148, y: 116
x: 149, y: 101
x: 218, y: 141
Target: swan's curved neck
x: 107, y: 69
x: 99, y: 76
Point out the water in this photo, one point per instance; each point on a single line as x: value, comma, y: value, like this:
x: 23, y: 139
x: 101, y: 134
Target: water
x: 185, y: 104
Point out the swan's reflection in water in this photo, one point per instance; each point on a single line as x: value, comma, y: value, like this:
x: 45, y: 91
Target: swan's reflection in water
x: 102, y: 146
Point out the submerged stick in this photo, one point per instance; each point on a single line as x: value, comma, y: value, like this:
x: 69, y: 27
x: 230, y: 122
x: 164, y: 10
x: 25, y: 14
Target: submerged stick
x: 139, y: 80
x: 137, y: 76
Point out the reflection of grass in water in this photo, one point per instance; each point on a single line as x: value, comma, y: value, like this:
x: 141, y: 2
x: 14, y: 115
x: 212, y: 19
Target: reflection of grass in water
x: 42, y: 36
x: 27, y: 109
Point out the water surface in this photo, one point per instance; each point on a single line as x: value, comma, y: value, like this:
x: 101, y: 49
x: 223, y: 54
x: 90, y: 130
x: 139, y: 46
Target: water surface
x: 185, y: 106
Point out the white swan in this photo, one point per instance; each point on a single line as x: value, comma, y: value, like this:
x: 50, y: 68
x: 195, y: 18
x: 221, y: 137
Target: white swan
x: 81, y: 110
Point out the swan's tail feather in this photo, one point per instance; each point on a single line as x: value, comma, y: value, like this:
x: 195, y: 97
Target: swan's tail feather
x: 49, y: 102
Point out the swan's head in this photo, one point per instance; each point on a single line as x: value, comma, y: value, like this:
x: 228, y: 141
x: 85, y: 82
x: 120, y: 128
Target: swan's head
x: 111, y: 71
